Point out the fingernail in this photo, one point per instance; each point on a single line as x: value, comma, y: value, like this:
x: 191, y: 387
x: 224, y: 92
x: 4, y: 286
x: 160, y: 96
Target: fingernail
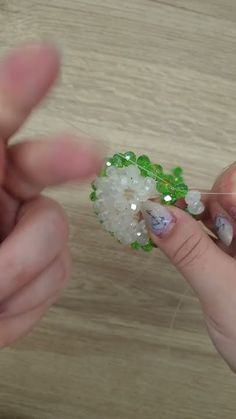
x: 158, y: 219
x: 233, y: 213
x: 224, y: 229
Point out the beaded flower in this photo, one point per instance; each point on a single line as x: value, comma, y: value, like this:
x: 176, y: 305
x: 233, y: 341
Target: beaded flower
x: 124, y: 184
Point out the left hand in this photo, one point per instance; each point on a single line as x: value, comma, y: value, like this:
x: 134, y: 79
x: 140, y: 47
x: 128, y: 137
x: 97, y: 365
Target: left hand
x: 34, y: 258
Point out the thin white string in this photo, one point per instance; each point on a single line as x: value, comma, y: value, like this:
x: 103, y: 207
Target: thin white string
x: 165, y: 181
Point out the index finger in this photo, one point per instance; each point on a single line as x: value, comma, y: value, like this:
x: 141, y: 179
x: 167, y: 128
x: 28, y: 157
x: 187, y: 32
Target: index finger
x: 35, y: 165
x: 26, y: 75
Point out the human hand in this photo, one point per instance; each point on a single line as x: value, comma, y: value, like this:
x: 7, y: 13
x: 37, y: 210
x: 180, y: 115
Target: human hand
x: 34, y: 257
x: 208, y: 265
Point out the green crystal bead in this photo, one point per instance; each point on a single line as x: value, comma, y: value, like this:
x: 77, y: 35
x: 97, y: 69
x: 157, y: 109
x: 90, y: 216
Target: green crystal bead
x: 93, y: 196
x: 130, y: 157
x: 170, y: 179
x: 179, y: 180
x: 163, y: 187
x: 169, y: 199
x: 93, y: 187
x: 135, y: 246
x: 148, y: 247
x: 145, y: 166
x: 177, y: 172
x: 181, y: 190
x: 118, y: 160
x: 158, y: 171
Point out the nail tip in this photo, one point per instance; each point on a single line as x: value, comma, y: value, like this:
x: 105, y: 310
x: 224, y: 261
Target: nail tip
x: 227, y: 236
x: 158, y: 219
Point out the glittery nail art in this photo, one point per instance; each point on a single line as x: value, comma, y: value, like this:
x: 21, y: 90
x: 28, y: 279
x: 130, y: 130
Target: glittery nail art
x: 224, y: 229
x: 158, y: 219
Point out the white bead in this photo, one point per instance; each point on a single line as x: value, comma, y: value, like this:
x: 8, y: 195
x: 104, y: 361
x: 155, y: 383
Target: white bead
x: 197, y: 208
x: 120, y: 195
x: 192, y: 197
x: 142, y: 238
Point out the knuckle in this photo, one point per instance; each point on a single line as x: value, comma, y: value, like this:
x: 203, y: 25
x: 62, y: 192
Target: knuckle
x: 190, y: 250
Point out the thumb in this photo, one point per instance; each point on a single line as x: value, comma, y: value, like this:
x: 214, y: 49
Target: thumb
x: 210, y: 272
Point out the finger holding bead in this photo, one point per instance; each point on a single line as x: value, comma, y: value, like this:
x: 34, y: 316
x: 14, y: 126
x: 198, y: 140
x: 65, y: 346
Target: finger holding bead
x: 222, y: 207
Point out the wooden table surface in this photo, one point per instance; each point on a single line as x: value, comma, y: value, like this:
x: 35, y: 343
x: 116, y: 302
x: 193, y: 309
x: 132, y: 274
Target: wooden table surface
x: 127, y: 339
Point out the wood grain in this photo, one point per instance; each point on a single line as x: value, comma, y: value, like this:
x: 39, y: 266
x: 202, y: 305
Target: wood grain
x: 127, y: 340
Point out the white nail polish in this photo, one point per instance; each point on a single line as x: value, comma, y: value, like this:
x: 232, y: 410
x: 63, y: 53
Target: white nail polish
x: 158, y: 219
x: 224, y: 229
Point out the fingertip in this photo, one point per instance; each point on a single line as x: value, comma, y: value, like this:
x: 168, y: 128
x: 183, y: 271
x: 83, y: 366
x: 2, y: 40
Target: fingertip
x: 76, y: 159
x: 30, y: 70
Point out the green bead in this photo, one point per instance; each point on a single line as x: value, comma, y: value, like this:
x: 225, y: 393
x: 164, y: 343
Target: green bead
x: 171, y: 199
x: 145, y: 166
x: 170, y: 179
x: 163, y: 187
x: 118, y: 160
x: 130, y: 157
x: 179, y: 180
x: 144, y: 161
x: 135, y: 246
x: 93, y: 187
x: 181, y: 190
x: 93, y: 196
x: 148, y: 247
x: 158, y: 170
x: 177, y: 171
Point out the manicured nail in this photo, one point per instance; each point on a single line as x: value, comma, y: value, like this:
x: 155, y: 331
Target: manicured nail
x: 158, y: 219
x: 233, y: 213
x: 224, y: 229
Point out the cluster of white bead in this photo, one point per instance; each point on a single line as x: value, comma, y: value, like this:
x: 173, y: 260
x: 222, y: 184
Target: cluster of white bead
x: 119, y: 198
x: 194, y: 203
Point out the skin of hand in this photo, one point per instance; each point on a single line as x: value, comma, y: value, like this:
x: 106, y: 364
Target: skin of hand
x: 35, y: 262
x: 34, y: 257
x: 208, y: 265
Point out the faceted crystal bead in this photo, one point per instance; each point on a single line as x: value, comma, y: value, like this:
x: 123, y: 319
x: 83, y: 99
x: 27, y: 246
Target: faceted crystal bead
x: 135, y: 246
x: 181, y: 190
x: 142, y: 238
x: 93, y: 196
x: 111, y: 171
x: 117, y: 160
x: 192, y: 197
x: 130, y: 157
x: 177, y: 172
x: 162, y: 187
x: 148, y: 247
x: 158, y: 168
x: 144, y: 164
x: 197, y: 208
x: 93, y: 186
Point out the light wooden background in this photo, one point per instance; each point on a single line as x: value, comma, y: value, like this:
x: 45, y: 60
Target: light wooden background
x: 127, y: 339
